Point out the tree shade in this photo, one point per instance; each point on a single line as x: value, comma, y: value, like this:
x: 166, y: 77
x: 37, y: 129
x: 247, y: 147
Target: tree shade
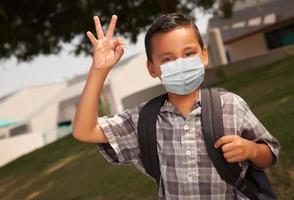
x: 30, y: 28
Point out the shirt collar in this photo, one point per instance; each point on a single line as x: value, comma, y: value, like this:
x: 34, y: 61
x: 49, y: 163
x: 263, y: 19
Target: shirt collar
x: 169, y: 107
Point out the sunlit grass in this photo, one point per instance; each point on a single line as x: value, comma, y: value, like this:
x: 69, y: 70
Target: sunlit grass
x: 269, y: 91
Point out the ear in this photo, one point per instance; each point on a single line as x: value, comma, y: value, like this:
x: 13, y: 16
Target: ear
x: 204, y: 57
x: 153, y: 70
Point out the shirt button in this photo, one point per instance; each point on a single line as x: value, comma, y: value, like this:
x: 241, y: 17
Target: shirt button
x: 189, y: 178
x: 188, y: 153
x: 186, y: 127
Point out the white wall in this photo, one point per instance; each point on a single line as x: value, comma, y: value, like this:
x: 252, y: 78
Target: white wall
x: 46, y: 119
x: 67, y: 112
x: 23, y: 102
x: 14, y: 147
x: 216, y: 49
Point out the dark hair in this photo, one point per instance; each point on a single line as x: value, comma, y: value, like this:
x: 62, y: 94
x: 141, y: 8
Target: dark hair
x: 166, y: 23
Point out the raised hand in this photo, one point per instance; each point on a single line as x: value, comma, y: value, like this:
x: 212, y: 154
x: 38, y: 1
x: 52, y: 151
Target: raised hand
x: 106, y: 50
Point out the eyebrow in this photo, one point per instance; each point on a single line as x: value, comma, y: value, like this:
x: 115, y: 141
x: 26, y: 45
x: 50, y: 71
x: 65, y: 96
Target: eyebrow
x: 190, y: 46
x: 164, y: 54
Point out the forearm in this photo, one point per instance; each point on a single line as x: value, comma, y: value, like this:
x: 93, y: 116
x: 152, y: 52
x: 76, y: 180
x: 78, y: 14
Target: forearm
x: 261, y: 155
x: 106, y: 53
x: 87, y: 111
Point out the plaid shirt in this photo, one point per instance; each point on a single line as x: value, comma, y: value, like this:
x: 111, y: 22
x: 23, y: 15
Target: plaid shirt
x: 186, y: 169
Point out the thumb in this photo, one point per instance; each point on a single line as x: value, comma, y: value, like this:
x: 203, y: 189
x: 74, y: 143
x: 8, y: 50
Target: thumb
x: 119, y: 51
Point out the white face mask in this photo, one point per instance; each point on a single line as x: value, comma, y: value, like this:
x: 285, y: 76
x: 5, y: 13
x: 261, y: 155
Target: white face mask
x: 183, y: 75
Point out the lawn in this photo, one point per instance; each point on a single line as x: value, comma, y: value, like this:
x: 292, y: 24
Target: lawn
x: 270, y: 93
x: 68, y: 169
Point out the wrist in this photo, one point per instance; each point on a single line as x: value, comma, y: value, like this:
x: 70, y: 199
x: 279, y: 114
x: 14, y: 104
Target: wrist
x: 100, y: 69
x: 254, y: 149
x: 98, y: 75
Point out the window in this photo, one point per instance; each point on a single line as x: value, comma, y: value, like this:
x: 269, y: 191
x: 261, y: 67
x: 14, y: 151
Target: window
x: 280, y: 37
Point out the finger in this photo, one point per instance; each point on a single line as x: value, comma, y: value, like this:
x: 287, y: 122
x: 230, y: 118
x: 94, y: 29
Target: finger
x: 119, y: 51
x: 116, y: 42
x: 231, y: 154
x: 98, y: 28
x: 111, y: 27
x: 224, y: 140
x: 235, y: 159
x: 92, y: 38
x: 228, y: 147
x: 119, y: 41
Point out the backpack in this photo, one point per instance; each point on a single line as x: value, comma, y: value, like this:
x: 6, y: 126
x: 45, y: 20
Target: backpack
x: 254, y: 184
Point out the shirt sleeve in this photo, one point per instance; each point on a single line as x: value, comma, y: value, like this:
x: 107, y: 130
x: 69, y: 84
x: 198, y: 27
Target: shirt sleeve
x: 121, y: 131
x: 251, y: 128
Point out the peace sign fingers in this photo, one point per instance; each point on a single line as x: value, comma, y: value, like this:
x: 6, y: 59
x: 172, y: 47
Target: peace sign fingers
x: 111, y: 27
x: 99, y: 30
x: 98, y: 27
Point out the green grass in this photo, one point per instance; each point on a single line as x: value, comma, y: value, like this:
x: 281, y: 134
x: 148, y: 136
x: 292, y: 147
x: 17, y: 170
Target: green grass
x: 68, y: 169
x: 269, y: 91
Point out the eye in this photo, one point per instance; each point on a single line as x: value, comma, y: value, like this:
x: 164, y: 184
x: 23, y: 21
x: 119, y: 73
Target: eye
x: 189, y: 53
x: 166, y: 60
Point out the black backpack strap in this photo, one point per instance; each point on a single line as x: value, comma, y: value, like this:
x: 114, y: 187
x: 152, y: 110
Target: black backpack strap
x: 147, y: 135
x: 212, y: 123
x: 255, y: 185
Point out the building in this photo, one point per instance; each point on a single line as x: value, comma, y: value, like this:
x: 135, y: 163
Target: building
x: 35, y: 116
x: 25, y: 110
x: 256, y: 28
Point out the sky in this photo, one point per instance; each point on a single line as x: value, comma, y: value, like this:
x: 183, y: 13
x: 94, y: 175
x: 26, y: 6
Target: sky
x: 56, y: 68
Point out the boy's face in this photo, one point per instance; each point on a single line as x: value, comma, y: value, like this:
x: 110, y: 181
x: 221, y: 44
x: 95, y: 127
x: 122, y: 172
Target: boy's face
x: 169, y: 46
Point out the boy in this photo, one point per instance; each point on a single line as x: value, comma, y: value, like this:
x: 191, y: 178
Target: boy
x: 175, y: 54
